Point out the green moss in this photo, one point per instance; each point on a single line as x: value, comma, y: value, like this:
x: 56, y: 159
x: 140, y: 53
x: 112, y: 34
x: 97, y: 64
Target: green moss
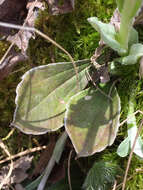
x: 71, y: 30
x: 3, y: 47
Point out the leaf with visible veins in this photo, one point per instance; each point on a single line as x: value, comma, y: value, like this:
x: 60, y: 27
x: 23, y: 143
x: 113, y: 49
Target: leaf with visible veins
x: 92, y: 120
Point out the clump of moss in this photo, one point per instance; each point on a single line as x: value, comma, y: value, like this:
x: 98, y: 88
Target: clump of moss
x: 71, y: 30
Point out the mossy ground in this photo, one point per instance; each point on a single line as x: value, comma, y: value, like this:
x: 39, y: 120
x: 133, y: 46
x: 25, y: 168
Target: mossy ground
x: 75, y: 34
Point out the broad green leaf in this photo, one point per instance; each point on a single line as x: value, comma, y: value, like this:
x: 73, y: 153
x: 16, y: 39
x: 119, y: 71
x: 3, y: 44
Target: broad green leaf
x: 120, y: 4
x: 108, y: 34
x: 132, y: 125
x: 135, y: 53
x: 43, y: 93
x: 127, y: 144
x: 133, y: 38
x: 102, y: 176
x: 92, y: 120
x: 124, y: 147
x: 138, y: 149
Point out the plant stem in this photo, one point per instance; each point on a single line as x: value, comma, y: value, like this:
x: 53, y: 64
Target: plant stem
x: 126, y: 24
x: 128, y: 13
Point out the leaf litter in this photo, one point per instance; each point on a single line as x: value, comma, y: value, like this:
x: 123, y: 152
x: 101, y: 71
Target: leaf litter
x: 24, y: 9
x: 57, y: 7
x: 19, y: 173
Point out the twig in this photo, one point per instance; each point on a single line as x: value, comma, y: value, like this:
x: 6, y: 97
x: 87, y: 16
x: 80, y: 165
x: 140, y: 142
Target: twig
x: 69, y: 178
x: 129, y: 178
x: 131, y: 154
x: 32, y: 29
x: 136, y: 112
x: 9, y: 134
x: 118, y: 186
x: 7, y: 52
x: 115, y: 185
x: 16, y: 71
x: 139, y: 170
x: 11, y: 165
x: 31, y: 150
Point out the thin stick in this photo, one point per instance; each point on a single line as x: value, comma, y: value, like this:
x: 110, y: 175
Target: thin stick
x: 136, y: 112
x: 9, y: 134
x: 11, y: 165
x: 16, y: 71
x: 6, y: 53
x: 69, y: 178
x: 129, y: 178
x: 115, y: 185
x: 31, y: 150
x: 32, y: 29
x: 131, y: 154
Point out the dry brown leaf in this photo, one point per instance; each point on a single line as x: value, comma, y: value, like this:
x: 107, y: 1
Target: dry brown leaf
x: 115, y: 20
x: 56, y: 7
x: 8, y: 64
x: 12, y: 11
x: 17, y: 12
x: 19, y: 170
x: 23, y: 37
x: 139, y: 17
